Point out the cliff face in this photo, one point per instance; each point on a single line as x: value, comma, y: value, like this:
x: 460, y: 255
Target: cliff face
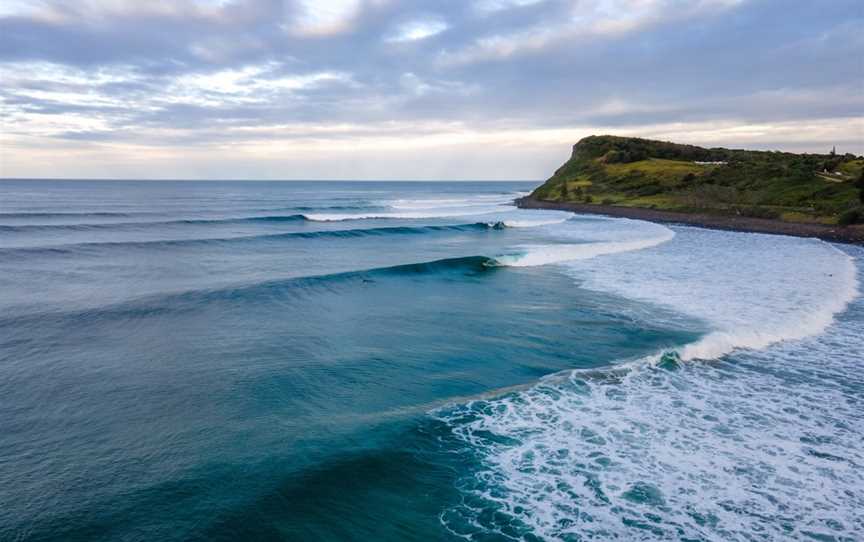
x: 634, y: 148
x: 636, y: 172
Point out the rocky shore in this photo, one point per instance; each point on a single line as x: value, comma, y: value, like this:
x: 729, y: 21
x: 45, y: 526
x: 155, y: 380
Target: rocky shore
x: 837, y: 234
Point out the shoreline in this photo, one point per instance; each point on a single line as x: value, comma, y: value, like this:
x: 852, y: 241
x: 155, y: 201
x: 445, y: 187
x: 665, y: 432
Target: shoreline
x: 853, y: 235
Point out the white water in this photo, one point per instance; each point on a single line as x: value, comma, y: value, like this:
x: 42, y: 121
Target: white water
x: 549, y: 254
x: 534, y: 223
x: 763, y: 445
x: 586, y: 240
x: 753, y: 290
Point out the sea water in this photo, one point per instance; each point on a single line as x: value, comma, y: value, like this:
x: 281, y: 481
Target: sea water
x: 416, y: 361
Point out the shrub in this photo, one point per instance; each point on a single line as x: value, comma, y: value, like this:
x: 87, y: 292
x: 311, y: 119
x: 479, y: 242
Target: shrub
x: 589, y: 199
x: 649, y: 190
x: 852, y: 216
x: 607, y: 201
x: 612, y: 157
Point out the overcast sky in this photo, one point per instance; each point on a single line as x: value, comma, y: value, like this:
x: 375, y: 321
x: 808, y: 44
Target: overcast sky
x: 386, y: 89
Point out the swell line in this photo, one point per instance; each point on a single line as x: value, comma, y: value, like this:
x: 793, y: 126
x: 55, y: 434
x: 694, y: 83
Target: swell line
x: 63, y: 215
x: 22, y: 228
x: 326, y: 234
x: 83, y: 215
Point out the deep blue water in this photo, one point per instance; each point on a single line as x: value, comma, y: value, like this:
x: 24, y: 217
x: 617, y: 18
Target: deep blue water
x: 415, y: 361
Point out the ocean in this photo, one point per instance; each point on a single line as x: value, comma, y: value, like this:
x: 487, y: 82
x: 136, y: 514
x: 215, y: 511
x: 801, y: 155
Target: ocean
x: 337, y: 361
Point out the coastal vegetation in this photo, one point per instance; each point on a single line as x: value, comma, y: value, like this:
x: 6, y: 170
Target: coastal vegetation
x: 633, y: 172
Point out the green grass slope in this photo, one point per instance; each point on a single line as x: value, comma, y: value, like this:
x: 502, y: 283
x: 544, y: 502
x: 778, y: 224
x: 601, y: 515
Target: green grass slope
x: 633, y: 172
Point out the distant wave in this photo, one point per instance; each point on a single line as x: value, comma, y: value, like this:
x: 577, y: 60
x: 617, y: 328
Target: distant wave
x: 67, y: 249
x: 85, y: 226
x: 22, y: 228
x: 61, y: 215
x: 268, y: 218
x: 303, y: 215
x: 437, y: 213
x: 304, y: 208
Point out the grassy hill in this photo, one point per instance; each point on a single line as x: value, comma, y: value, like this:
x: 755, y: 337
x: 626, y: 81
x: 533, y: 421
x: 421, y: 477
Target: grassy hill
x: 633, y: 172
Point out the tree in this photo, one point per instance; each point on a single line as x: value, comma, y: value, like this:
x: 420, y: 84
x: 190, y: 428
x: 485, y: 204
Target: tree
x: 564, y: 195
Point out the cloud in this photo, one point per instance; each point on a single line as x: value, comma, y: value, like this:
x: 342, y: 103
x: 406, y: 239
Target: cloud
x: 418, y: 29
x: 317, y: 17
x: 273, y: 79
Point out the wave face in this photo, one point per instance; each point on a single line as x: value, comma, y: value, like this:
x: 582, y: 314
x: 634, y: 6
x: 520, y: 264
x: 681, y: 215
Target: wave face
x: 416, y: 361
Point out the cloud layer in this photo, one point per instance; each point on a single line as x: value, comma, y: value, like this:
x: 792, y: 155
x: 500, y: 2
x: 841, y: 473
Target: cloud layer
x: 413, y: 89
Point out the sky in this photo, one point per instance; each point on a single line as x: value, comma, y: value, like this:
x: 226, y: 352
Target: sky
x: 387, y: 89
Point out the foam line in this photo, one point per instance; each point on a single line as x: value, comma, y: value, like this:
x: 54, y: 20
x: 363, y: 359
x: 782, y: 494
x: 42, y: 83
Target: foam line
x: 811, y: 321
x: 550, y: 254
x: 534, y: 223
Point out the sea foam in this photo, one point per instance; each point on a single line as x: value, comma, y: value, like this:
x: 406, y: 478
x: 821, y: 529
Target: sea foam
x: 589, y: 241
x: 758, y: 441
x: 752, y: 290
x: 535, y: 223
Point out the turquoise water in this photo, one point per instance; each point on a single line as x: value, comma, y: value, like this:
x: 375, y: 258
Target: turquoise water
x: 416, y: 361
